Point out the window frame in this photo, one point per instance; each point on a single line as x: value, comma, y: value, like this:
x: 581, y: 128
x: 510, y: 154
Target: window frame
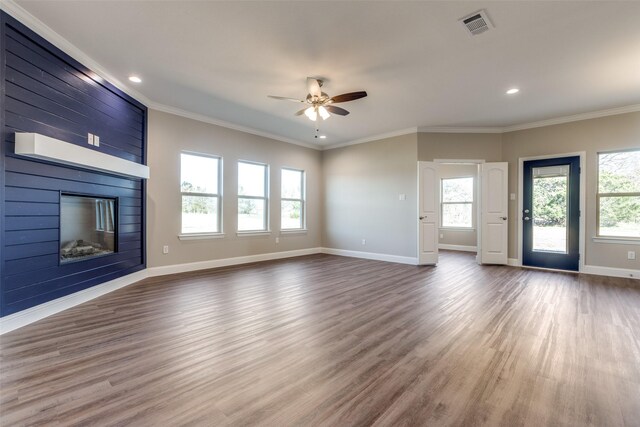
x: 442, y: 203
x: 302, y: 200
x: 218, y: 196
x: 266, y: 222
x: 599, y: 195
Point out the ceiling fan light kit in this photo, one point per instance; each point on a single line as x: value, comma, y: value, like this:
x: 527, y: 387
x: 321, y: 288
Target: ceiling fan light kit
x: 321, y: 104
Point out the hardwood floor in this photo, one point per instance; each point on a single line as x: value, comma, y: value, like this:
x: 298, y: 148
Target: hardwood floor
x: 327, y: 340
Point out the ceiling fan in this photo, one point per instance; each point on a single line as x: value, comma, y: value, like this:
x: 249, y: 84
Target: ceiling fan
x: 319, y: 103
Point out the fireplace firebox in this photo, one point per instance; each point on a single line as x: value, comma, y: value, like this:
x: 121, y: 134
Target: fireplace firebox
x: 88, y: 227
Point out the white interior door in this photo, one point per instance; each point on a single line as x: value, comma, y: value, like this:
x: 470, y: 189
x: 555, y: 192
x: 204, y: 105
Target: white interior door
x: 494, y: 206
x: 428, y: 212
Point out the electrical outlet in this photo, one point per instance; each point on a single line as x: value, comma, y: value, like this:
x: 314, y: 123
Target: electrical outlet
x: 165, y: 249
x: 441, y: 235
x: 90, y: 139
x: 277, y: 240
x: 631, y: 255
x: 96, y: 140
x: 364, y: 241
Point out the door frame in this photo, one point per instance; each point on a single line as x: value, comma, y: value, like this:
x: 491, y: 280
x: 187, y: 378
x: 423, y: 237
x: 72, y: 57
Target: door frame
x: 477, y: 195
x: 583, y: 184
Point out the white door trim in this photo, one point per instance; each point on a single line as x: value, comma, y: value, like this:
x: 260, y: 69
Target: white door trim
x: 583, y: 186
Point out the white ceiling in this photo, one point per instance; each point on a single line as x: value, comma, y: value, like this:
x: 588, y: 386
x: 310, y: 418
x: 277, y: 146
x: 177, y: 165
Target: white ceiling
x: 418, y: 64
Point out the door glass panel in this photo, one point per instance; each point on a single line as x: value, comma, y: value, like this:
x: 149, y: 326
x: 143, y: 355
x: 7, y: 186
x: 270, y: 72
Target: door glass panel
x: 550, y: 208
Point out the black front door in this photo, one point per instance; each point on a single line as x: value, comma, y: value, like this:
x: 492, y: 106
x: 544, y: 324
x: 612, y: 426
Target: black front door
x: 551, y: 213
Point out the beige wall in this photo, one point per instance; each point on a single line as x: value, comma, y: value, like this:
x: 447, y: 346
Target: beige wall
x: 470, y: 146
x: 352, y: 192
x: 601, y: 134
x: 168, y: 136
x: 362, y: 185
x: 461, y: 237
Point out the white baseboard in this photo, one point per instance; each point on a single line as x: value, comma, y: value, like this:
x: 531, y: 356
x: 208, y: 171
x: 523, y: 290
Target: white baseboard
x: 514, y: 262
x: 458, y: 247
x: 609, y: 271
x: 371, y: 255
x: 33, y: 314
x: 215, y: 263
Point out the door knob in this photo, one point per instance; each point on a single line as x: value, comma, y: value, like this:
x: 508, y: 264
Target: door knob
x: 504, y: 218
x: 422, y: 217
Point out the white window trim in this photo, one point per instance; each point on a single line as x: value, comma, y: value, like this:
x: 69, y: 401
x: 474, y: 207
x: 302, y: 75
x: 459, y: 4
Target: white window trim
x: 200, y: 236
x: 617, y: 240
x: 250, y: 233
x: 472, y: 202
x: 302, y: 200
x: 218, y: 195
x: 294, y: 231
x: 603, y: 238
x: 267, y: 229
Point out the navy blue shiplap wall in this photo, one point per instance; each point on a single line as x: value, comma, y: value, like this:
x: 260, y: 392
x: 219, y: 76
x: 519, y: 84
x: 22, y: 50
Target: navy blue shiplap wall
x: 47, y: 92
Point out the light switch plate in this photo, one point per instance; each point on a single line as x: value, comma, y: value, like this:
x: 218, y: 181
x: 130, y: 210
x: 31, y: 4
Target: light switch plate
x: 90, y: 139
x: 96, y: 140
x: 631, y: 255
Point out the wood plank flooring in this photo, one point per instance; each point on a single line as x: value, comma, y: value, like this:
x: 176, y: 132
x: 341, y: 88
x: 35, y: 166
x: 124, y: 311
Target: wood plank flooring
x: 327, y: 340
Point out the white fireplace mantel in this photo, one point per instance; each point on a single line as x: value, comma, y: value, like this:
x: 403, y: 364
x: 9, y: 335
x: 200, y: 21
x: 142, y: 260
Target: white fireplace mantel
x: 54, y: 150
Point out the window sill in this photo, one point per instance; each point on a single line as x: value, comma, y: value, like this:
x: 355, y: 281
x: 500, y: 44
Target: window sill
x: 616, y: 240
x: 294, y: 231
x: 200, y: 236
x: 253, y: 233
x: 457, y: 228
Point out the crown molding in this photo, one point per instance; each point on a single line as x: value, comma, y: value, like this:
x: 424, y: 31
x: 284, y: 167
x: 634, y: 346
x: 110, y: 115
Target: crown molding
x: 64, y: 45
x: 574, y: 118
x: 46, y: 32
x: 454, y: 129
x: 15, y: 10
x: 210, y: 120
x: 372, y: 138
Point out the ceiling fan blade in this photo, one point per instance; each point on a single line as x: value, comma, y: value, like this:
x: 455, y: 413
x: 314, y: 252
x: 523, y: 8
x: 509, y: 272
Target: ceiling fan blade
x: 336, y: 110
x: 284, y: 98
x: 351, y: 96
x: 301, y: 112
x: 313, y: 85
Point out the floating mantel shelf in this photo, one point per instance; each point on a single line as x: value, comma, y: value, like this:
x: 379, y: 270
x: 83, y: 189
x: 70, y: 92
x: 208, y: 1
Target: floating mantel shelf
x: 53, y: 150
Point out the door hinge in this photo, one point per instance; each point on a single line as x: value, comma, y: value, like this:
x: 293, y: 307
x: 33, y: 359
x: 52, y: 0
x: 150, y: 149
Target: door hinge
x: 579, y: 169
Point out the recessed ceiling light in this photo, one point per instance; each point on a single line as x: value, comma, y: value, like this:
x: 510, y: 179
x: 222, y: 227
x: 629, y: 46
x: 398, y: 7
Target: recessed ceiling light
x: 323, y: 137
x: 135, y: 79
x: 513, y: 91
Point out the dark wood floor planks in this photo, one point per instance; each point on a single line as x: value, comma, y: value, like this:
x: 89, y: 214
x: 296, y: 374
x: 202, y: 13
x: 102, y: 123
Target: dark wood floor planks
x: 326, y: 340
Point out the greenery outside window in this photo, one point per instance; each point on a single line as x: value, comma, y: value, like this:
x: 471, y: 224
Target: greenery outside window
x: 200, y: 183
x: 618, y: 198
x: 292, y: 209
x: 253, y: 203
x: 456, y: 202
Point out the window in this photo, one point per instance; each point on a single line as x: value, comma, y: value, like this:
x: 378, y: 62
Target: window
x: 252, y: 196
x: 292, y: 200
x: 457, y: 202
x: 200, y: 187
x: 618, y: 196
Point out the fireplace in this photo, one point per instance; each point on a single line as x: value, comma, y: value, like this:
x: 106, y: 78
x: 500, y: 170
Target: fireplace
x: 88, y: 227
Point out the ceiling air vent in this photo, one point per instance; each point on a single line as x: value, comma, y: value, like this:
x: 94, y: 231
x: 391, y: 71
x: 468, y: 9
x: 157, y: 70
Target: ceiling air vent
x: 477, y: 23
